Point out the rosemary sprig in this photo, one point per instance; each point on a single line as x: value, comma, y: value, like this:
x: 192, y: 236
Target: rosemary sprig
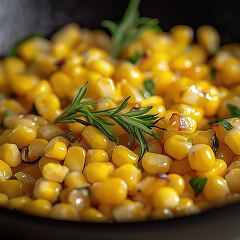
x: 136, y: 122
x: 129, y: 28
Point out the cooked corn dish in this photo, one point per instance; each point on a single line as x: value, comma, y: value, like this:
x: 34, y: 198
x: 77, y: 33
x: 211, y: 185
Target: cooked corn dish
x: 134, y: 125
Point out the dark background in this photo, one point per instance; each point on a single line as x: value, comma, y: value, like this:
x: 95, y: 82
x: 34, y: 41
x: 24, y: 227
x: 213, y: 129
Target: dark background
x: 21, y: 17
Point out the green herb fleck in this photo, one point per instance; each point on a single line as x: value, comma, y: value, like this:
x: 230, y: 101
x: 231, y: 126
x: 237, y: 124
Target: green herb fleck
x: 136, y: 165
x: 149, y: 86
x: 234, y: 110
x: 225, y: 124
x: 69, y: 135
x: 197, y: 184
x: 190, y: 140
x: 135, y: 57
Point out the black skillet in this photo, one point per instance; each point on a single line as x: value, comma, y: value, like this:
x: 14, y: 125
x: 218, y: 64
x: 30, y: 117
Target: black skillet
x: 21, y: 17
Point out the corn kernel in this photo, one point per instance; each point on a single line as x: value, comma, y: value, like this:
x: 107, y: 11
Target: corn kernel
x: 56, y: 150
x: 36, y: 148
x: 18, y: 202
x: 3, y: 199
x: 156, y: 163
x: 13, y: 188
x: 64, y: 211
x: 46, y: 190
x: 215, y: 189
x: 5, y: 171
x: 93, y: 215
x: 122, y: 155
x: 130, y: 174
x: 201, y: 158
x: 75, y: 180
x: 232, y: 139
x: 111, y: 191
x: 166, y: 197
x: 75, y: 159
x: 177, y: 146
x: 10, y: 154
x: 232, y: 179
x: 54, y: 172
x: 176, y: 182
x: 98, y: 171
x: 95, y: 138
x: 96, y: 155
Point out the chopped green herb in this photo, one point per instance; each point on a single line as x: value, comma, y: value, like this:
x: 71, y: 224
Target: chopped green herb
x: 14, y: 51
x: 234, y: 110
x: 149, y: 86
x: 68, y: 135
x: 215, y: 144
x: 135, y: 57
x: 106, y: 99
x: 130, y: 27
x: 190, y: 140
x: 136, y: 165
x: 225, y: 124
x: 197, y: 184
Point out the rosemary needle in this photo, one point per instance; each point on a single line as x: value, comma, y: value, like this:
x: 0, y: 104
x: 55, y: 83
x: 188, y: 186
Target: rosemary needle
x: 136, y: 122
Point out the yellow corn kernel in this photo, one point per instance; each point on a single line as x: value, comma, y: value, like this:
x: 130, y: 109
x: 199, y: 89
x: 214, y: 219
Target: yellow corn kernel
x: 101, y: 66
x: 61, y: 84
x: 111, y: 191
x: 12, y: 106
x: 93, y: 215
x: 43, y: 161
x: 192, y: 111
x: 208, y: 38
x: 165, y: 197
x: 5, y: 171
x: 130, y: 174
x: 46, y: 104
x: 3, y: 199
x: 13, y: 188
x: 232, y: 139
x: 54, y: 172
x: 22, y: 135
x: 198, y: 71
x: 56, y: 150
x: 176, y: 182
x: 69, y: 34
x: 21, y: 84
x: 95, y: 138
x: 149, y: 185
x: 36, y: 148
x: 96, y: 155
x: 153, y: 100
x: 10, y: 154
x: 233, y: 180
x: 60, y: 49
x: 122, y: 155
x: 201, y: 158
x: 64, y: 211
x: 163, y: 80
x: 215, y: 189
x: 234, y: 164
x: 182, y: 34
x: 128, y: 212
x: 46, y: 190
x: 76, y: 127
x: 177, y: 146
x: 42, y: 87
x: 128, y: 90
x: 49, y: 131
x: 38, y: 207
x: 184, y: 207
x: 4, y: 136
x: 180, y: 167
x: 219, y: 169
x: 14, y: 65
x: 156, y: 163
x: 75, y: 159
x: 181, y: 63
x: 164, y: 213
x: 130, y: 73
x: 75, y: 180
x: 18, y: 202
x: 204, y: 137
x: 98, y: 171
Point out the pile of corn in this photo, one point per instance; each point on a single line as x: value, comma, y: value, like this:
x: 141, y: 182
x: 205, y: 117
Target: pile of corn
x: 90, y: 178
